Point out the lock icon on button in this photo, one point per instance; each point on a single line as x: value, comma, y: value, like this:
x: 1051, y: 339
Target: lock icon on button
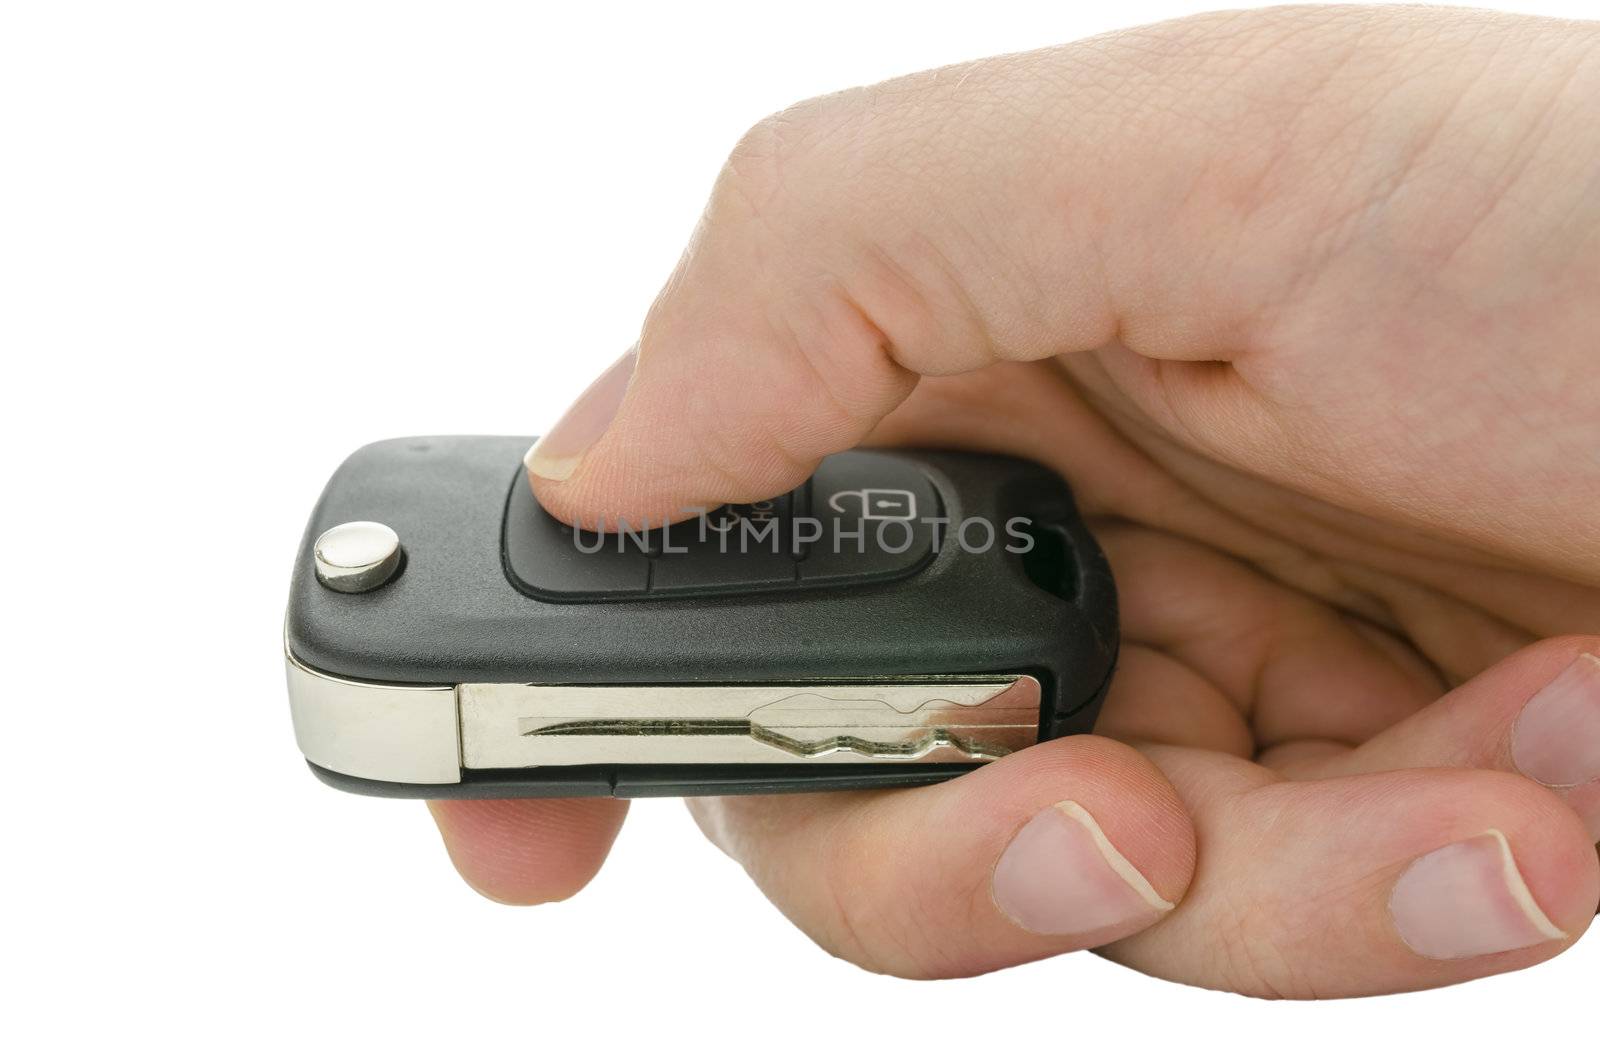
x: 875, y: 504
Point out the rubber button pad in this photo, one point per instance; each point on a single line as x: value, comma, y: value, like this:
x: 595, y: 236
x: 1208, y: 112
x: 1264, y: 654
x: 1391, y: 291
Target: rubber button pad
x: 865, y: 516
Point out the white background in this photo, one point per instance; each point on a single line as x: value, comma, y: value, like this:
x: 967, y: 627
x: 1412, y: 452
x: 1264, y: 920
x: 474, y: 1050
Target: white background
x: 236, y: 242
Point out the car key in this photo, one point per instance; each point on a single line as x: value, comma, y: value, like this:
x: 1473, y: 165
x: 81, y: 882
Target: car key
x: 902, y: 617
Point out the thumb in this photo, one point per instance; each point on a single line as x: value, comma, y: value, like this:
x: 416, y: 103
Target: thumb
x: 1010, y: 209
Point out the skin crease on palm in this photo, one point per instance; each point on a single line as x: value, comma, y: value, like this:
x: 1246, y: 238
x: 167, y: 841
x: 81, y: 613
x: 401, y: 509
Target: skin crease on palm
x: 1303, y: 303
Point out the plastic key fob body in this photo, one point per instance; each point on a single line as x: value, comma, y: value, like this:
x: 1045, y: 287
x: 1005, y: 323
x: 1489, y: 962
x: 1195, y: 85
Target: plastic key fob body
x: 902, y: 617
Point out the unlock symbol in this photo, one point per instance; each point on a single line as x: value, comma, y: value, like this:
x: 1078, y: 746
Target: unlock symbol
x: 876, y: 504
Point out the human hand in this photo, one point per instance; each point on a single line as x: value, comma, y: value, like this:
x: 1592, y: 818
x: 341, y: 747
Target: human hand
x: 1302, y: 303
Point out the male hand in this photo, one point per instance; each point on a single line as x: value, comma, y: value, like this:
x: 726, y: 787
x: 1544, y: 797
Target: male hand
x: 1304, y: 304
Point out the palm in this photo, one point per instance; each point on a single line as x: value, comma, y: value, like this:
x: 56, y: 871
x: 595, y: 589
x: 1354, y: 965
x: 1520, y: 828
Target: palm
x: 1293, y: 635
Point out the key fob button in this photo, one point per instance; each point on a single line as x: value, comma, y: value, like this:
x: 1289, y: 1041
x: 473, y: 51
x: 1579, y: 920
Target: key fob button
x: 548, y: 558
x: 738, y: 546
x: 357, y: 557
x: 713, y: 572
x: 864, y: 517
x: 872, y: 517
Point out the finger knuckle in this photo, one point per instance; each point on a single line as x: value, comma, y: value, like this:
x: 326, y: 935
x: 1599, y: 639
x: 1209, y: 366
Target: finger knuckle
x: 778, y: 160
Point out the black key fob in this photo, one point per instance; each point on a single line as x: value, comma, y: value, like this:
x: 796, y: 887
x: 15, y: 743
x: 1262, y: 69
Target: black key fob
x: 901, y: 618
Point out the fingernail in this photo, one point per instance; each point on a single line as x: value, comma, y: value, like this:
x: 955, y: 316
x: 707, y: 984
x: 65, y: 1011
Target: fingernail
x: 1556, y: 739
x: 1062, y: 876
x: 556, y: 455
x: 1467, y: 900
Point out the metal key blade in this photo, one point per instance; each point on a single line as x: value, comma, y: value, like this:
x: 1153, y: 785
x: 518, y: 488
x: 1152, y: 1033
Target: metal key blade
x: 934, y: 719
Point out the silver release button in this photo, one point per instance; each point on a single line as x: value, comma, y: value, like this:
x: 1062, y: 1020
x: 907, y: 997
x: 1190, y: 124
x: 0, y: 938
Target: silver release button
x: 357, y: 557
